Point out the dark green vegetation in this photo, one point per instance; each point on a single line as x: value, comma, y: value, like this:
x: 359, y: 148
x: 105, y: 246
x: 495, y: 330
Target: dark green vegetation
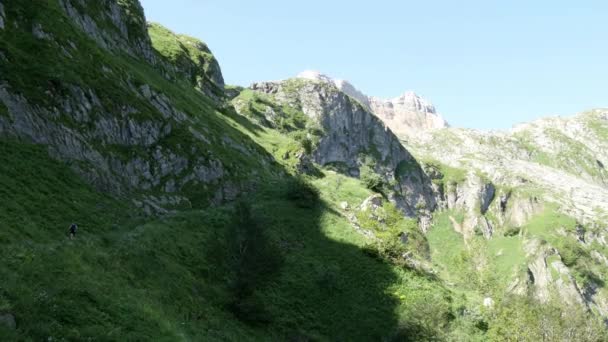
x: 280, y: 262
x: 283, y: 264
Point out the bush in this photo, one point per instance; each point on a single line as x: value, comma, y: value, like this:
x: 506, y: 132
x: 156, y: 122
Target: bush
x: 306, y: 145
x: 371, y: 179
x: 304, y: 194
x: 512, y: 231
x: 570, y: 251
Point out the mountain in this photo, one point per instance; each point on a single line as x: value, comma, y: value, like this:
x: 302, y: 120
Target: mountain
x: 299, y: 209
x: 408, y: 114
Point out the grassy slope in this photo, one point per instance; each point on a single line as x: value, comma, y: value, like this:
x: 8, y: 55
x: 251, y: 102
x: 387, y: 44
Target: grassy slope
x: 126, y: 277
x: 187, y: 53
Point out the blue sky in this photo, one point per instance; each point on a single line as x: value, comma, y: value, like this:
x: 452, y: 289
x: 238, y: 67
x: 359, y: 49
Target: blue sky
x: 484, y: 64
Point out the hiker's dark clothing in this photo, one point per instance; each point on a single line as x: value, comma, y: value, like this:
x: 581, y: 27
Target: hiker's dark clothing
x: 73, y: 229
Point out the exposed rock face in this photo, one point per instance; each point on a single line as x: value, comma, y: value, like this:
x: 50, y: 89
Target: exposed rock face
x: 560, y: 158
x: 473, y: 196
x: 372, y: 203
x: 107, y: 170
x: 548, y: 271
x: 119, y: 25
x: 350, y: 130
x: 405, y: 115
x: 119, y: 133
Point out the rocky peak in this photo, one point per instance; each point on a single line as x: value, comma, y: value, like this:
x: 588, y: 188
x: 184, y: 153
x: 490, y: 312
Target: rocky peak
x: 313, y: 75
x: 342, y: 85
x: 405, y: 115
x: 412, y: 102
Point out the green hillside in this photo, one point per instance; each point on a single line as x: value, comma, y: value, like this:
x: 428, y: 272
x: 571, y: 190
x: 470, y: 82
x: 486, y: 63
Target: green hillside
x: 203, y: 218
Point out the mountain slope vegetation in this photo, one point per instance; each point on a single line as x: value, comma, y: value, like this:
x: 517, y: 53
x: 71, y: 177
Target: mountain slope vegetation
x: 285, y: 211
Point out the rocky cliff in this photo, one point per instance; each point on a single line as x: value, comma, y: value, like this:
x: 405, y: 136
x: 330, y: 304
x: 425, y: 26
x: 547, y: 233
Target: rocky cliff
x: 117, y: 123
x: 342, y: 231
x: 350, y: 137
x: 406, y: 115
x: 541, y: 181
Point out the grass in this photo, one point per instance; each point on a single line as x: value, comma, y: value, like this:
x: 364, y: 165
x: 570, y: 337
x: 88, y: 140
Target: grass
x: 447, y: 246
x: 130, y: 278
x: 447, y: 176
x: 192, y: 57
x: 267, y: 268
x: 572, y: 156
x: 545, y: 224
x: 507, y: 256
x: 599, y: 126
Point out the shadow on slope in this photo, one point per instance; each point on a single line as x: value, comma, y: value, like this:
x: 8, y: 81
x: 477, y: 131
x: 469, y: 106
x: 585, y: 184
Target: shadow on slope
x: 175, y: 278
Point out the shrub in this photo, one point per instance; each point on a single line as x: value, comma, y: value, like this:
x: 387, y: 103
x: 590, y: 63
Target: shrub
x: 512, y: 231
x: 306, y: 145
x: 371, y: 179
x: 570, y: 251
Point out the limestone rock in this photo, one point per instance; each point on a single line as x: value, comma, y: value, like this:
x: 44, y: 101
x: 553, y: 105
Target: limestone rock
x: 372, y: 203
x: 562, y: 159
x: 130, y: 35
x: 488, y: 302
x: 404, y: 238
x: 351, y: 130
x: 548, y: 273
x: 39, y: 32
x: 408, y: 114
x: 405, y: 115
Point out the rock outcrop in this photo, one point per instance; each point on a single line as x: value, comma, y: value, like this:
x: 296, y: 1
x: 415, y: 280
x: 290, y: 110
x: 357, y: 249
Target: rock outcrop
x: 119, y: 26
x: 7, y: 320
x: 561, y: 159
x: 120, y: 130
x: 548, y: 272
x: 350, y: 131
x: 406, y: 115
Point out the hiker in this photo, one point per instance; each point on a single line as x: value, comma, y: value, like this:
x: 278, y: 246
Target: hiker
x: 73, y: 229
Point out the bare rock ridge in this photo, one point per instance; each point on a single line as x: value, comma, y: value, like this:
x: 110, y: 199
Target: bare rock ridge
x: 406, y: 115
x: 351, y: 131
